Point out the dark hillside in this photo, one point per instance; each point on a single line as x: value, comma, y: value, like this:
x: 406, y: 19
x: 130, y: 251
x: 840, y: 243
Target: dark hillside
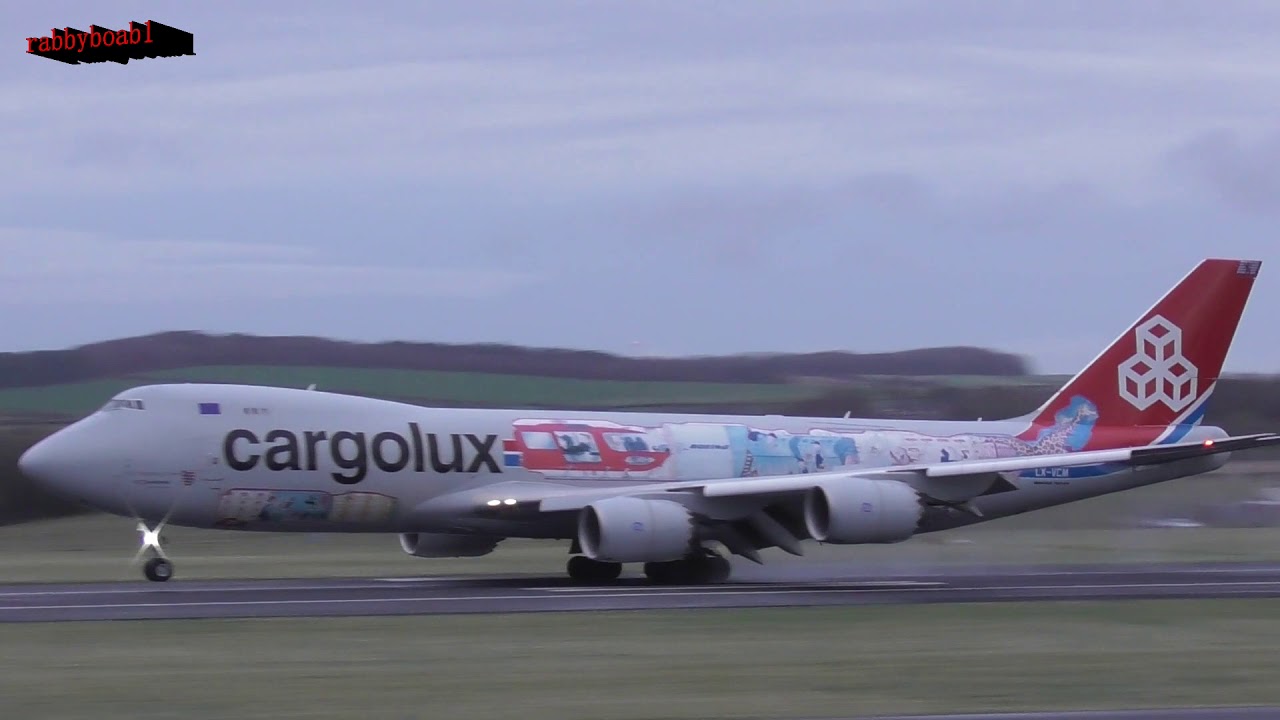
x: 174, y: 350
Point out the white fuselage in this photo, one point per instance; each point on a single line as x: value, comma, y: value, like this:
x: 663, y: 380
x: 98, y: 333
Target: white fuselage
x: 277, y: 459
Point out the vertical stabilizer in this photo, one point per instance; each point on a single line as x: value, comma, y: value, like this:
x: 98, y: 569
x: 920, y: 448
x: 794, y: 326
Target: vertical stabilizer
x: 1160, y: 372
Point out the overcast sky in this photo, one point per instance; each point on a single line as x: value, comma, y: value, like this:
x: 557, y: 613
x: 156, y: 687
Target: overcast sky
x: 643, y: 177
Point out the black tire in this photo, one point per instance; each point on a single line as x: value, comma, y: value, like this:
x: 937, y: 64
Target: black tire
x: 607, y: 571
x: 658, y: 573
x: 584, y: 569
x: 671, y: 572
x: 706, y: 569
x: 158, y: 570
x: 718, y: 569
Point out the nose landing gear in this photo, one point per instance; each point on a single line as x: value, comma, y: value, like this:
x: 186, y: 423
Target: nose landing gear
x: 158, y: 568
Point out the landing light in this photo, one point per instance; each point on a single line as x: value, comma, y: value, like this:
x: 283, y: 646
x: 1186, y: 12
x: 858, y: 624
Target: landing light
x: 509, y: 501
x: 1208, y: 443
x: 150, y: 538
x: 494, y: 503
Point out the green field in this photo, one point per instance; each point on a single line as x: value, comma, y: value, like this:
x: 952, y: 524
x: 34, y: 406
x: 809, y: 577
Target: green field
x: 767, y: 663
x: 450, y: 387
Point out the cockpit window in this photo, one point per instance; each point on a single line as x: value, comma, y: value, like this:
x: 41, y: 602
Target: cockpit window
x: 122, y: 404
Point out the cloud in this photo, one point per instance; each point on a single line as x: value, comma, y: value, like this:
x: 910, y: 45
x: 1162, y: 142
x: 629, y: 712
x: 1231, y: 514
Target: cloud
x: 527, y: 120
x: 749, y: 176
x: 567, y: 98
x: 53, y: 266
x: 749, y: 225
x: 1242, y: 173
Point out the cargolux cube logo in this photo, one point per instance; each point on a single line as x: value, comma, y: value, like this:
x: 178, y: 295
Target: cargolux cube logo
x: 140, y: 40
x: 1158, y: 371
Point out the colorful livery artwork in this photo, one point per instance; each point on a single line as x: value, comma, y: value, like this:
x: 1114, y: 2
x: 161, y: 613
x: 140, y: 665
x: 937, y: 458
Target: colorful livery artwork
x: 598, y: 449
x: 246, y: 506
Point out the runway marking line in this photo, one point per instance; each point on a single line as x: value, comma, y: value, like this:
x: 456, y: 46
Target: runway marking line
x: 451, y: 578
x: 257, y: 586
x: 932, y: 587
x: 156, y: 587
x: 641, y: 594
x: 770, y: 586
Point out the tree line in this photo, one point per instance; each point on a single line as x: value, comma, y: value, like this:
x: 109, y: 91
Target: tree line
x: 175, y: 350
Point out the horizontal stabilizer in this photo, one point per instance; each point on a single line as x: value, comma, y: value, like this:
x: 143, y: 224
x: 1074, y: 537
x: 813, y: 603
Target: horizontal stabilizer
x: 1156, y: 454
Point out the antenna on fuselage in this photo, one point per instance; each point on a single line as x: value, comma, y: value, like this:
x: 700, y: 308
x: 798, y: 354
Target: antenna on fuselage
x: 312, y: 386
x: 847, y: 413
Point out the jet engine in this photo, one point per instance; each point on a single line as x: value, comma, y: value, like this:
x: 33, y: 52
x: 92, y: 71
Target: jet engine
x: 627, y: 529
x: 443, y: 545
x: 847, y: 512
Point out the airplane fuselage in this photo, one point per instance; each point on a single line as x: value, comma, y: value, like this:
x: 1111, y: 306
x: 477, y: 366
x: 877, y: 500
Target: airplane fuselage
x: 278, y: 459
x: 653, y: 488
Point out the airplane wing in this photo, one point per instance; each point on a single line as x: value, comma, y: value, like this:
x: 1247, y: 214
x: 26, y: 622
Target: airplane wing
x: 748, y: 515
x: 963, y: 480
x: 947, y: 483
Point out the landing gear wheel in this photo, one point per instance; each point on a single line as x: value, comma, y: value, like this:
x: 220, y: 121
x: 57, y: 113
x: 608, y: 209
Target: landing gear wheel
x: 716, y: 569
x: 703, y: 569
x: 663, y: 573
x: 158, y: 569
x: 584, y: 569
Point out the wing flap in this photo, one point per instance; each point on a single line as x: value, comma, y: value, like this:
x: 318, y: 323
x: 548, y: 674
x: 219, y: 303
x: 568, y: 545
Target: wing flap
x: 1017, y: 464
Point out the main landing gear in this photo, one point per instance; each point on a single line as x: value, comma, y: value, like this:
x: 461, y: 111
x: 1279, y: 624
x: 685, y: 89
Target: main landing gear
x: 702, y: 568
x: 158, y: 568
x: 584, y: 569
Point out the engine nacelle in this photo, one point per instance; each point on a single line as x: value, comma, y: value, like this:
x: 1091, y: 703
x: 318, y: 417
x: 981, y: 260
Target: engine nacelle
x: 443, y: 545
x: 856, y: 510
x: 627, y: 529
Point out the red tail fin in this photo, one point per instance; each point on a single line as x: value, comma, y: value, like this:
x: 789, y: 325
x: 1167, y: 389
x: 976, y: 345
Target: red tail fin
x: 1162, y: 369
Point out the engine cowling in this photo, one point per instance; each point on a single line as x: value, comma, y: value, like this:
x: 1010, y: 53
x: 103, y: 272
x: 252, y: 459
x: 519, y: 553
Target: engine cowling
x: 626, y: 529
x: 443, y: 545
x: 862, y: 511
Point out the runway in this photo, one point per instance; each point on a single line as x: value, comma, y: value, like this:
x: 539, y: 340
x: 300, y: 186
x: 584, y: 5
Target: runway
x: 471, y: 594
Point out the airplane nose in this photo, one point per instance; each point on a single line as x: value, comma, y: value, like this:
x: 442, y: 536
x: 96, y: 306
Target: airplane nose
x: 34, y: 463
x: 54, y: 462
